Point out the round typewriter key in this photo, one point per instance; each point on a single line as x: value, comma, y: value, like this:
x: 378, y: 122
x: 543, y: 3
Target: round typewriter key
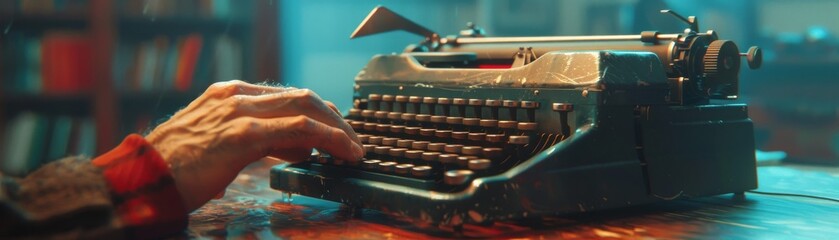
x: 519, y: 140
x: 438, y: 119
x: 389, y: 141
x: 420, y: 145
x: 527, y: 126
x: 414, y: 99
x: 460, y: 135
x: 436, y: 147
x: 376, y: 140
x: 452, y: 148
x: 412, y: 130
x: 447, y: 158
x: 404, y: 143
x: 495, y: 138
x: 383, y: 127
x: 507, y: 124
x: 387, y: 166
x: 387, y: 98
x: 421, y: 171
x: 443, y: 100
x: 394, y: 115
x: 430, y: 156
x: 382, y: 150
x: 368, y: 148
x: 427, y: 132
x: 363, y: 138
x: 490, y: 123
x: 370, y: 164
x: 493, y: 153
x: 401, y: 98
x: 429, y: 100
x: 477, y: 136
x: 397, y: 152
x: 510, y: 103
x: 471, y: 121
x: 397, y: 128
x: 471, y: 150
x: 380, y: 114
x: 454, y: 120
x: 458, y: 101
x: 355, y: 112
x: 374, y: 97
x: 408, y: 116
x: 443, y: 133
x: 422, y: 117
x: 529, y: 104
x: 367, y: 113
x: 370, y: 126
x: 413, y: 154
x: 476, y: 102
x: 562, y: 107
x: 479, y: 164
x: 404, y: 168
x: 493, y: 103
x: 457, y: 177
x: 357, y: 125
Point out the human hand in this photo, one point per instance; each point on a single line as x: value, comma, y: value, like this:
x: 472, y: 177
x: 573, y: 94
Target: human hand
x: 235, y: 123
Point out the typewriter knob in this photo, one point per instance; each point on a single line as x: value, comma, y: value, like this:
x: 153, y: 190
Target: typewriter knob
x: 721, y: 60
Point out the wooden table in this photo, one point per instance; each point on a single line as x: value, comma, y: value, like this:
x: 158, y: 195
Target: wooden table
x: 251, y: 209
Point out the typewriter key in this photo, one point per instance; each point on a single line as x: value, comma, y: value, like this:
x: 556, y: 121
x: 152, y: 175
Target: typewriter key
x: 419, y: 145
x: 383, y: 128
x: 471, y: 150
x: 412, y: 130
x: 355, y: 113
x: 368, y: 148
x: 363, y: 138
x: 488, y: 123
x: 389, y: 141
x: 397, y: 152
x: 408, y: 116
x: 394, y: 115
x: 381, y: 115
x: 443, y: 133
x: 519, y: 140
x: 413, y: 154
x: 404, y: 143
x: 370, y: 126
x: 477, y: 137
x: 430, y: 156
x: 381, y: 150
x: 457, y: 177
x: 370, y: 164
x: 454, y: 120
x: 422, y: 117
x: 460, y: 135
x: 493, y: 153
x: 527, y: 126
x: 421, y: 171
x: 367, y: 113
x: 452, y: 148
x: 427, y: 132
x: 357, y: 125
x: 447, y: 158
x: 479, y: 164
x: 387, y: 98
x: 404, y: 168
x: 397, y: 128
x: 374, y: 97
x: 463, y: 161
x: 436, y: 147
x: 375, y: 140
x: 507, y: 124
x: 387, y: 166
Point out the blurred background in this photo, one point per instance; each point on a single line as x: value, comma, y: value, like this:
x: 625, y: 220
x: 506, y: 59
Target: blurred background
x: 79, y: 75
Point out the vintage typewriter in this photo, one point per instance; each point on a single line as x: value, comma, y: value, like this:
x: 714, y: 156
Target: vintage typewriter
x: 472, y: 129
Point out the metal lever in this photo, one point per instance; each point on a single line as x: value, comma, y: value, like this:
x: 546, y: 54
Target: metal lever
x: 382, y: 20
x: 691, y: 20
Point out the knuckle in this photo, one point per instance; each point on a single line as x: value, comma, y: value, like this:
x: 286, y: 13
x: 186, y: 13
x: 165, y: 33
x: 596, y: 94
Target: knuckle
x: 225, y: 89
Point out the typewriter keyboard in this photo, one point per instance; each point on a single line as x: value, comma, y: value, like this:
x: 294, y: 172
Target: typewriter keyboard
x: 443, y: 141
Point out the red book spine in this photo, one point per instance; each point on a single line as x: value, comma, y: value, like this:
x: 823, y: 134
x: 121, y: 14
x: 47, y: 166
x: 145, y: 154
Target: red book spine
x: 66, y: 63
x: 188, y: 59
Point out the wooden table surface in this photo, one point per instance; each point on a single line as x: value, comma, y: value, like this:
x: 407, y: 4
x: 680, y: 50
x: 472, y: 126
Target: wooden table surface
x: 251, y: 209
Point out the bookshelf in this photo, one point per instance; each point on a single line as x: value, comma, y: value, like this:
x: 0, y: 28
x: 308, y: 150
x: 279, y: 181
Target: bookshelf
x: 143, y: 60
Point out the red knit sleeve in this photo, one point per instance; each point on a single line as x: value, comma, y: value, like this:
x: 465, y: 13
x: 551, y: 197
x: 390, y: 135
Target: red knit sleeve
x: 143, y: 190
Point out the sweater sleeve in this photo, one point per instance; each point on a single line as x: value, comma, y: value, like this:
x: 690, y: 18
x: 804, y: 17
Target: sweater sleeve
x: 127, y: 192
x: 143, y: 190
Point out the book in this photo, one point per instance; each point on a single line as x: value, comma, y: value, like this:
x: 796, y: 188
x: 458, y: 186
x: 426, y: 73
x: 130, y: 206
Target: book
x: 187, y: 61
x: 62, y: 129
x: 20, y: 135
x: 66, y: 62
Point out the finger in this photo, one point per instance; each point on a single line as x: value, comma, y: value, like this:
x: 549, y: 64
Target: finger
x: 294, y: 103
x: 239, y: 87
x: 304, y: 133
x: 333, y: 107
